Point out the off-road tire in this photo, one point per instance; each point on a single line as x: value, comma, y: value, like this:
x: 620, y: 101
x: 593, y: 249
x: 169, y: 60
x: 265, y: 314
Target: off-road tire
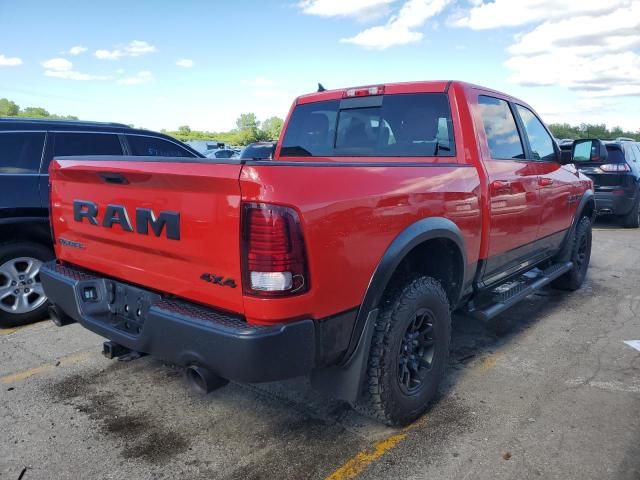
x: 632, y: 219
x: 580, y: 256
x: 383, y: 397
x: 9, y: 251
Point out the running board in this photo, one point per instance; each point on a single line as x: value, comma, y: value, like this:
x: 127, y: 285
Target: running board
x: 506, y: 296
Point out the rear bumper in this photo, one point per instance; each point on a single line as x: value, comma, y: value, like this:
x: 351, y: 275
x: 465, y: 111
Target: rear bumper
x: 615, y: 203
x: 184, y: 333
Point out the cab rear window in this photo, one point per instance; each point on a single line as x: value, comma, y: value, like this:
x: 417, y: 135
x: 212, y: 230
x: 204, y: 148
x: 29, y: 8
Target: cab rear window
x: 406, y: 125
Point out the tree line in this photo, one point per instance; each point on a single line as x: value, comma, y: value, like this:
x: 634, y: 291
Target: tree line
x: 12, y: 109
x: 249, y: 129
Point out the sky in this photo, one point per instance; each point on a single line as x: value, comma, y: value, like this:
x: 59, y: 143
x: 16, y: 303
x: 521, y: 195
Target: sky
x: 162, y: 64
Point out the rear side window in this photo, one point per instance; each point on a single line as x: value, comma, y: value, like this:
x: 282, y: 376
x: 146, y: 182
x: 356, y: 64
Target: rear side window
x: 408, y: 125
x: 540, y: 141
x: 500, y: 127
x: 20, y: 152
x: 70, y: 144
x: 155, y: 147
x: 615, y: 154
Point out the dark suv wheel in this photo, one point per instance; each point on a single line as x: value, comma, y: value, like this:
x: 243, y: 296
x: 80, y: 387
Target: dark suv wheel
x: 22, y: 299
x: 409, y: 353
x: 632, y: 219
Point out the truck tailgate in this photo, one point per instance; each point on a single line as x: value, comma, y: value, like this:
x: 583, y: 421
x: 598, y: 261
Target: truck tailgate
x: 168, y: 226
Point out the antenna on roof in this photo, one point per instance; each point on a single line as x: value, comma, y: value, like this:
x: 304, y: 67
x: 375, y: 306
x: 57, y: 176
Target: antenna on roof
x: 321, y: 88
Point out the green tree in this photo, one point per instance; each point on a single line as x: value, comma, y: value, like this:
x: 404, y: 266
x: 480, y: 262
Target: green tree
x: 34, y: 112
x: 271, y: 128
x: 184, y: 129
x: 8, y: 108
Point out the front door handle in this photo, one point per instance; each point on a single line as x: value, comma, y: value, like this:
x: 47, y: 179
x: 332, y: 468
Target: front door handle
x: 545, y: 181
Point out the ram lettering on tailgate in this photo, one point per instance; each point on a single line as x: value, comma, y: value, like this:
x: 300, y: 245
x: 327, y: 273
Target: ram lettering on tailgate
x: 117, y: 214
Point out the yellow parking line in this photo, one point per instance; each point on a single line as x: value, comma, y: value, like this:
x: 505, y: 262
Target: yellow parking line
x: 62, y: 362
x: 355, y: 465
x: 489, y: 362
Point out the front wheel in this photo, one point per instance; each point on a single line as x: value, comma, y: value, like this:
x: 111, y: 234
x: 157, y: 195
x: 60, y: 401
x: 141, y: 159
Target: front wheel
x: 409, y: 353
x: 580, y: 256
x: 22, y: 299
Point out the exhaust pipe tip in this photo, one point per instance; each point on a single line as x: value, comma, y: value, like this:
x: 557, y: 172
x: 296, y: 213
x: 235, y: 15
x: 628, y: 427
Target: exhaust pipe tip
x: 204, y: 380
x: 58, y: 317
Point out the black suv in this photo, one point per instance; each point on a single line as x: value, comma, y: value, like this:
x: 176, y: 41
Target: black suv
x: 616, y: 178
x: 26, y: 148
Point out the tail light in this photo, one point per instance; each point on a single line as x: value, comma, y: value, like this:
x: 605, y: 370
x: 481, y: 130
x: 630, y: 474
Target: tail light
x: 615, y: 167
x: 274, y: 257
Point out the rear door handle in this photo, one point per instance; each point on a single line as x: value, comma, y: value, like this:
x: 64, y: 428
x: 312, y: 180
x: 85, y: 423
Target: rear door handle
x: 545, y: 182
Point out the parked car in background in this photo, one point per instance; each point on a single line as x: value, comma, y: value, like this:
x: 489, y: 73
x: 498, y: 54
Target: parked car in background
x: 204, y: 146
x: 26, y: 148
x: 258, y: 151
x: 615, y: 171
x: 222, y: 153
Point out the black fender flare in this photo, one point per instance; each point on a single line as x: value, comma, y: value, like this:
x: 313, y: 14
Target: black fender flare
x: 587, y: 197
x: 344, y: 380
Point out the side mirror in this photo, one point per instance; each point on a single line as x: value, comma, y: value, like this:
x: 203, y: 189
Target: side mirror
x: 589, y: 150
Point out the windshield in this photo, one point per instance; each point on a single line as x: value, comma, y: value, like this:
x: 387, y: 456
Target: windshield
x: 408, y: 125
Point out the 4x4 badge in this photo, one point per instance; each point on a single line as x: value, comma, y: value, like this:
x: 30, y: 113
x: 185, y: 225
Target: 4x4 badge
x: 216, y: 280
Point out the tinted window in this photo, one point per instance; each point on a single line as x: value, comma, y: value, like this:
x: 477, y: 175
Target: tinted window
x: 411, y: 125
x: 21, y: 152
x: 614, y: 154
x: 155, y: 147
x: 499, y: 125
x: 69, y: 144
x: 637, y: 148
x: 540, y: 141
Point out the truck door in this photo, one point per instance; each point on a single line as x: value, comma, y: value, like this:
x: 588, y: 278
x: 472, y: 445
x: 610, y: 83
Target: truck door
x: 515, y: 206
x: 555, y: 180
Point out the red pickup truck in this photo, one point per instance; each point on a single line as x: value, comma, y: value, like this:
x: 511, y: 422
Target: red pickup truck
x: 384, y: 209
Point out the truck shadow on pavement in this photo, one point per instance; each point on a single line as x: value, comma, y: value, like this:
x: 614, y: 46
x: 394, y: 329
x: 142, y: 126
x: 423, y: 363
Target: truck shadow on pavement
x: 145, y: 411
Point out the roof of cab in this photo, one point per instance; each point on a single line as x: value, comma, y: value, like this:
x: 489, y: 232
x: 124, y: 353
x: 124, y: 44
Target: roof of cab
x: 428, y: 86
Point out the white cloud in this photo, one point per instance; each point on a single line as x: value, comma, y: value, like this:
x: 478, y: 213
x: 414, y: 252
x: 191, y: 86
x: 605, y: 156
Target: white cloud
x: 401, y: 28
x: 134, y: 48
x: 77, y: 50
x: 184, y: 63
x: 510, y: 13
x: 138, y: 79
x: 58, y: 64
x: 10, y: 61
x: 587, y: 46
x: 359, y: 9
x: 63, y: 68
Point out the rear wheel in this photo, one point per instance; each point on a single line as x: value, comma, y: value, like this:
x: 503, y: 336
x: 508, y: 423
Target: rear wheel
x: 409, y: 353
x: 22, y: 299
x: 580, y: 256
x: 632, y: 219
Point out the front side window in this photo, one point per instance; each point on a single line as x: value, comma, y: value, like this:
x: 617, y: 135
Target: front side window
x: 21, y: 152
x: 503, y: 138
x: 405, y: 125
x: 80, y: 144
x: 540, y: 141
x: 155, y: 147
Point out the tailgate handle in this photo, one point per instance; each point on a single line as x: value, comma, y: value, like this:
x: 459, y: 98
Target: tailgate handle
x: 113, y: 177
